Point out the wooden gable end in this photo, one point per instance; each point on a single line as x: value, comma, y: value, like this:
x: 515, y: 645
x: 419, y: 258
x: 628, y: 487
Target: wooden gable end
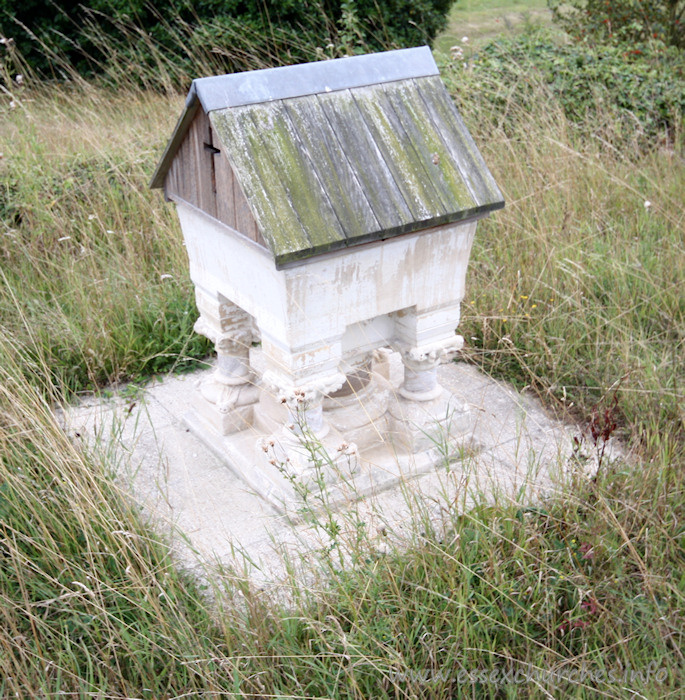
x: 201, y: 175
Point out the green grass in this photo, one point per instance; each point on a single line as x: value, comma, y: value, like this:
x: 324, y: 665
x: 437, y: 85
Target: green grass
x: 83, y: 236
x: 574, y: 293
x: 582, y: 287
x: 482, y: 20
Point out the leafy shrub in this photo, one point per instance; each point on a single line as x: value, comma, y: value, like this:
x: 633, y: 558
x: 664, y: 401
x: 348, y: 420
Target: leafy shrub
x: 184, y: 38
x: 627, y: 21
x: 620, y: 95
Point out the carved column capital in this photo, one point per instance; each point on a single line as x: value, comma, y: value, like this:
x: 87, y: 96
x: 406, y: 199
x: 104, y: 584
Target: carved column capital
x: 427, y: 357
x: 235, y: 341
x: 303, y: 392
x: 304, y: 401
x: 420, y: 367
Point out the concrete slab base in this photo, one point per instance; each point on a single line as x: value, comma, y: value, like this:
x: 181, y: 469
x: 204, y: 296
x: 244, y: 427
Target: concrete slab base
x: 353, y: 460
x: 512, y: 448
x: 345, y: 477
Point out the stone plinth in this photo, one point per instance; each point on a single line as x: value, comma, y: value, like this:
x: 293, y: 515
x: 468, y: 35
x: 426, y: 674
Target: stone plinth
x: 318, y: 406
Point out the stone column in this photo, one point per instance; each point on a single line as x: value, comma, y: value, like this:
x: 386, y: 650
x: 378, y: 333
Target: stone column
x: 421, y: 371
x: 300, y: 378
x: 226, y: 398
x: 424, y: 415
x: 304, y: 404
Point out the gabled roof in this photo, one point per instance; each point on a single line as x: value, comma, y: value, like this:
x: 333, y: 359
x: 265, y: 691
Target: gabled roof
x: 337, y: 153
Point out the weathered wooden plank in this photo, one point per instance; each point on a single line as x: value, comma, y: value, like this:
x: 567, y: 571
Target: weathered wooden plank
x: 223, y: 183
x: 244, y: 219
x: 260, y: 181
x: 402, y: 160
x: 433, y: 155
x: 171, y: 183
x: 179, y: 162
x: 188, y: 179
x: 204, y: 167
x: 342, y: 185
x: 225, y: 198
x: 365, y: 160
x: 192, y: 166
x: 306, y: 193
x: 465, y: 153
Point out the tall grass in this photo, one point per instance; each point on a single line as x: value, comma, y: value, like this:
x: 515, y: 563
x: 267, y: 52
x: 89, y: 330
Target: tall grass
x: 93, y: 266
x: 89, y: 600
x: 579, y: 596
x: 576, y: 286
x: 573, y: 292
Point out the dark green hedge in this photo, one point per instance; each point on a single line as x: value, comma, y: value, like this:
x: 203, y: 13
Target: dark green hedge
x: 225, y: 35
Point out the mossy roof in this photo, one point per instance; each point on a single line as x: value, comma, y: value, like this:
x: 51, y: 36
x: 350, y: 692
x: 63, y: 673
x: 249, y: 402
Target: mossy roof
x: 338, y: 153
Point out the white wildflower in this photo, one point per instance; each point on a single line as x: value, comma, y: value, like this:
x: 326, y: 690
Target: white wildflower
x: 457, y: 53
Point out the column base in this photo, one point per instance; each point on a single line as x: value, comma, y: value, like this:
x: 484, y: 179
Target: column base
x: 228, y: 407
x: 439, y: 423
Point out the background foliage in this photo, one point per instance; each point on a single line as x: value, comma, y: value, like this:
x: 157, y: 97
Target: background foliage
x: 638, y: 94
x: 239, y: 34
x: 632, y: 21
